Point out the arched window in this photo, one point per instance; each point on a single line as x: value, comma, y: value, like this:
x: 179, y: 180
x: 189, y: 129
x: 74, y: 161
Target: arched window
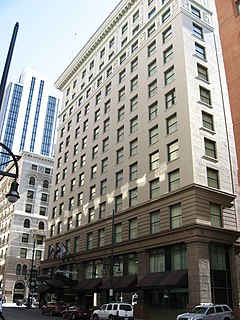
x: 45, y: 184
x: 24, y: 269
x: 18, y: 269
x: 41, y: 225
x: 32, y: 181
x: 26, y: 223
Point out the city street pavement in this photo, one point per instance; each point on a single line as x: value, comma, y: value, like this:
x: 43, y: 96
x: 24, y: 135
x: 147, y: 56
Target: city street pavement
x: 13, y: 312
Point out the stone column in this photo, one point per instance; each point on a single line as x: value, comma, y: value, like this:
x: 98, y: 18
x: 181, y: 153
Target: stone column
x: 199, y: 279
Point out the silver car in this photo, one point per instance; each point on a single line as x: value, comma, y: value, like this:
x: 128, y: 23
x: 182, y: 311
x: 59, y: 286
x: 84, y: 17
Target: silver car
x: 208, y: 311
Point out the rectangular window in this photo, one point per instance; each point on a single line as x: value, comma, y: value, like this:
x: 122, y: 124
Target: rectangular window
x: 103, y: 187
x: 106, y: 125
x: 157, y: 260
x: 151, y: 30
x: 151, y: 13
x: 89, y: 241
x: 119, y: 179
x: 83, y: 160
x: 94, y: 152
x: 238, y: 7
x: 166, y: 15
x: 79, y: 217
x: 121, y: 113
x: 80, y: 199
x: 25, y: 237
x: 200, y: 51
x: 81, y: 179
x: 105, y: 144
x: 90, y: 215
x: 207, y: 121
x: 154, y: 161
x: 76, y: 244
x: 153, y: 135
x: 151, y: 48
x: 154, y: 222
x: 169, y: 75
x: 216, y: 215
x: 133, y: 147
x: 104, y: 165
x: 133, y: 171
x: 134, y: 103
x: 152, y: 89
x: 170, y: 98
x: 122, y: 58
x: 96, y: 133
x: 118, y: 203
x: 101, y: 238
x: 154, y: 188
x: 134, y: 46
x: 102, y: 210
x: 173, y: 151
x: 71, y: 204
x: 118, y: 233
x: 175, y: 216
x: 122, y: 75
x: 120, y: 134
x: 133, y: 227
x: 134, y: 83
x: 202, y: 72
x: 212, y: 178
x: 124, y: 28
x: 195, y: 11
x: 174, y: 180
x: 197, y: 31
x: 210, y: 148
x: 133, y: 197
x: 134, y: 64
x: 28, y: 208
x: 152, y: 68
x: 69, y: 223
x: 119, y: 155
x: 167, y: 33
x: 134, y: 124
x: 205, y: 95
x: 93, y: 171
x: 23, y: 253
x: 108, y: 89
x: 135, y: 16
x: 168, y: 54
x: 171, y: 123
x: 121, y: 94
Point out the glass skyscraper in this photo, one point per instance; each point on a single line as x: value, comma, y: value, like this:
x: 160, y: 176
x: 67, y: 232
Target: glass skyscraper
x: 29, y: 115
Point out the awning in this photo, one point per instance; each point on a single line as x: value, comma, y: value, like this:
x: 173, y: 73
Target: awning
x: 120, y: 283
x: 175, y: 278
x: 54, y: 283
x: 43, y: 288
x: 151, y: 280
x: 58, y: 281
x: 89, y: 284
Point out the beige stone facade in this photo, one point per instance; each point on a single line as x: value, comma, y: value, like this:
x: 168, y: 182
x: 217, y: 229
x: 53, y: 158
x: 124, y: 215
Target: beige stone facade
x: 23, y: 222
x: 145, y: 130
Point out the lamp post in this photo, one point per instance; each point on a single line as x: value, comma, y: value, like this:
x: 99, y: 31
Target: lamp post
x: 32, y: 276
x: 111, y: 295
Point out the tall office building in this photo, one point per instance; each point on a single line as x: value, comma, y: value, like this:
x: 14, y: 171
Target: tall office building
x: 23, y: 225
x: 144, y: 190
x: 29, y: 115
x: 229, y: 22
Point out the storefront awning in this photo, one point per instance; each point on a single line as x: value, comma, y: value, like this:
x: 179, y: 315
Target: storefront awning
x: 43, y: 288
x: 151, y: 280
x: 88, y: 284
x: 120, y: 283
x: 176, y: 278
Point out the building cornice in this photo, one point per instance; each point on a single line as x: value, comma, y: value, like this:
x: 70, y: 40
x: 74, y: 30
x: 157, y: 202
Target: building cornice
x: 102, y: 32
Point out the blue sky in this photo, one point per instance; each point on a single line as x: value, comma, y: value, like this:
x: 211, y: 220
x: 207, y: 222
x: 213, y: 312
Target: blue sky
x: 51, y: 32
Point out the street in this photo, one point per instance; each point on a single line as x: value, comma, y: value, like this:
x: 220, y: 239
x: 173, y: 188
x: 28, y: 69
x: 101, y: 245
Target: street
x: 12, y: 312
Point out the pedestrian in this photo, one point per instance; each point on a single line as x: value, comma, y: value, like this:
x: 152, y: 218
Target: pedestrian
x: 1, y: 315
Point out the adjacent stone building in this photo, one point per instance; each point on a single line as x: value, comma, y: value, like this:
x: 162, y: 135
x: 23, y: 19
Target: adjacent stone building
x: 24, y: 223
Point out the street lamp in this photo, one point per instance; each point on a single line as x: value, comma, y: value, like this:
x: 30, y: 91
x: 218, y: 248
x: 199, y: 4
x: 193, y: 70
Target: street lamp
x: 32, y: 276
x: 13, y: 194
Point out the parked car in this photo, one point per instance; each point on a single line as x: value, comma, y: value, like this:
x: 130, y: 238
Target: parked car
x: 76, y: 313
x: 114, y: 310
x: 206, y: 311
x: 53, y: 308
